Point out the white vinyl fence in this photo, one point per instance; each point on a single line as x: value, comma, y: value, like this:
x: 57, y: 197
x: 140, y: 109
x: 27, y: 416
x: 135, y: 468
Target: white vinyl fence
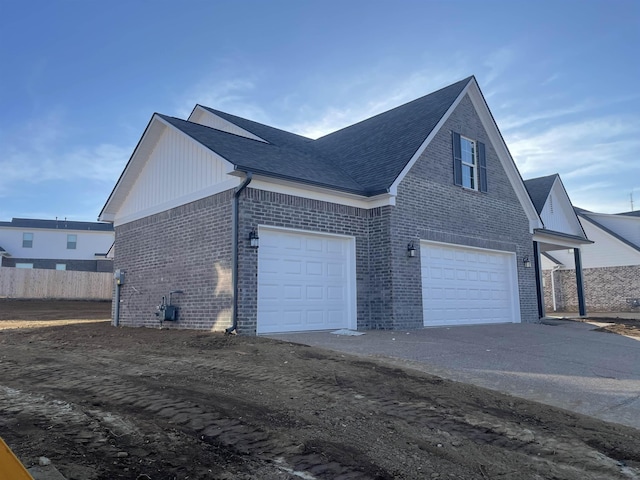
x: 56, y: 284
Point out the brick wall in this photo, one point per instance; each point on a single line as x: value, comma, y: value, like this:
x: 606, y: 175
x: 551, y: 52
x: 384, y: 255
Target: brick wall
x: 430, y: 207
x: 606, y: 289
x: 258, y: 207
x: 186, y: 248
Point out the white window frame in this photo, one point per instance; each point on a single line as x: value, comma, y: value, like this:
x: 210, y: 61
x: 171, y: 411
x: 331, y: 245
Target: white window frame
x: 27, y: 243
x: 61, y: 266
x: 24, y: 265
x: 473, y: 178
x: 74, y: 242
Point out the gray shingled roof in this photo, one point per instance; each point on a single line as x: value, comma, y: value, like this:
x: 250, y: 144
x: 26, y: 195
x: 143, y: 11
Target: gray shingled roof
x: 57, y: 224
x: 278, y: 159
x: 365, y: 158
x: 539, y: 188
x: 634, y: 213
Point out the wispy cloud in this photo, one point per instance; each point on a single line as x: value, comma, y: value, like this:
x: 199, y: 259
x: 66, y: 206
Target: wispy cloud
x: 42, y: 151
x: 364, y: 103
x: 229, y: 94
x: 578, y: 148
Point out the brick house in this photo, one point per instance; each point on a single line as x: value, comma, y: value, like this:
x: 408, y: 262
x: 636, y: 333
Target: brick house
x: 414, y: 217
x: 56, y: 244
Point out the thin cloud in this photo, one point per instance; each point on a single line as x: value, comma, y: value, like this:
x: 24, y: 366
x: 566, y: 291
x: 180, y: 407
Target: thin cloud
x: 230, y: 94
x: 333, y: 118
x: 38, y: 153
x: 577, y: 149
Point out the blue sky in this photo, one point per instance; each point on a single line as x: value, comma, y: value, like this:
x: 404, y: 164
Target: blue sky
x: 79, y: 80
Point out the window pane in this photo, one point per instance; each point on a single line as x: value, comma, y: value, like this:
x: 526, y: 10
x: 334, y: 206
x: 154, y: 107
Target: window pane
x: 24, y: 265
x: 468, y: 151
x: 467, y: 176
x: 27, y: 240
x: 61, y: 266
x: 72, y: 241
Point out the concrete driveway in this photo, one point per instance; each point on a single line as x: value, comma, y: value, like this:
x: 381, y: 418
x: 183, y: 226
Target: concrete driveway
x: 565, y: 364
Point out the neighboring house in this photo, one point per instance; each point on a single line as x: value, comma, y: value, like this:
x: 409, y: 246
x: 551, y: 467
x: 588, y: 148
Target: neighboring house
x: 611, y: 265
x: 56, y: 244
x: 415, y: 217
x: 569, y: 238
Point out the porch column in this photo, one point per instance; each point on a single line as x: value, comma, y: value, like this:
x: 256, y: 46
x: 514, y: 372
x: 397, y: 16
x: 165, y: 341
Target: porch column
x: 538, y: 272
x: 578, y: 262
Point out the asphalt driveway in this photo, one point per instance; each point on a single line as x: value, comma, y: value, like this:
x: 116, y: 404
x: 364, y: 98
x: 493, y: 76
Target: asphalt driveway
x: 565, y: 364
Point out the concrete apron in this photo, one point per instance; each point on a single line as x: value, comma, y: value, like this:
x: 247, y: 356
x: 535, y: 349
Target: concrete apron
x: 564, y: 364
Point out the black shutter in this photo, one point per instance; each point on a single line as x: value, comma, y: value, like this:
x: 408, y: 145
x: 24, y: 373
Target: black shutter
x: 482, y: 167
x: 457, y: 159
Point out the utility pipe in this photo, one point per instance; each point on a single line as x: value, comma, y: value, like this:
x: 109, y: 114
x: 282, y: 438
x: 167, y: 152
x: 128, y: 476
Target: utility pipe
x: 553, y: 286
x: 234, y: 266
x: 116, y: 314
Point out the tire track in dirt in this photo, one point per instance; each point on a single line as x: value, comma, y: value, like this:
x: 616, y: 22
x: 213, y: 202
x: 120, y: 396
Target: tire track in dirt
x: 434, y: 427
x: 210, y: 426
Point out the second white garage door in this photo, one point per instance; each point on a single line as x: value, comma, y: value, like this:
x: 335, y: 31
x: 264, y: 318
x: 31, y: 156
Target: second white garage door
x: 306, y: 281
x: 463, y: 286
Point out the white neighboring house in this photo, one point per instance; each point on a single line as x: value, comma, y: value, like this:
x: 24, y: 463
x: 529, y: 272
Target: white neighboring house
x: 559, y: 219
x: 611, y: 265
x: 56, y: 244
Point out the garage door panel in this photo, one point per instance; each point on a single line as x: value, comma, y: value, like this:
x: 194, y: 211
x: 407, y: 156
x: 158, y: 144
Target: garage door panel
x: 463, y: 285
x: 315, y: 292
x: 314, y: 268
x: 304, y: 282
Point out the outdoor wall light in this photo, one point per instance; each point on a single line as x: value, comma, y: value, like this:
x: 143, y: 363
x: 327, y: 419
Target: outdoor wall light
x: 254, y: 240
x: 411, y: 250
x: 527, y: 262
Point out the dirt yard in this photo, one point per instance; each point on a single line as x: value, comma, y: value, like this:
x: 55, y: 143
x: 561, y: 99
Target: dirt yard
x: 145, y: 404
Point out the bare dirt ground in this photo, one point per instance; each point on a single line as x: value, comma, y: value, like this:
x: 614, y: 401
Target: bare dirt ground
x: 122, y: 403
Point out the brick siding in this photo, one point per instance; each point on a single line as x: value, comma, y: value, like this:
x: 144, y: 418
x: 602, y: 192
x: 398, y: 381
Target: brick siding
x: 189, y: 247
x: 186, y: 248
x: 451, y: 214
x: 606, y: 289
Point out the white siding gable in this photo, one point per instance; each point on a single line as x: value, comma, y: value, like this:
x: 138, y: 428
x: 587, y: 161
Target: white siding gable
x: 176, y: 170
x: 606, y: 251
x: 625, y: 226
x: 557, y: 213
x: 211, y: 120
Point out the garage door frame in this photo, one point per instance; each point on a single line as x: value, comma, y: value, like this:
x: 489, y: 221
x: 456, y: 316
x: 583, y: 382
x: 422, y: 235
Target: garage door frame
x: 514, y: 290
x: 350, y: 271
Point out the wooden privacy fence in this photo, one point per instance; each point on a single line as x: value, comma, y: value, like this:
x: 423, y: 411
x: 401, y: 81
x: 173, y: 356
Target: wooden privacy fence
x: 57, y: 284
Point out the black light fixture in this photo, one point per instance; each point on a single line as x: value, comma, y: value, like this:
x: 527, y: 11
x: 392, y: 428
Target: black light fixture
x: 254, y: 240
x: 411, y: 250
x: 526, y: 261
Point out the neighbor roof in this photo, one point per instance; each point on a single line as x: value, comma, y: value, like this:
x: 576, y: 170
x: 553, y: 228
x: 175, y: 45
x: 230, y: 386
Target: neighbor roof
x: 365, y: 158
x: 635, y: 213
x: 585, y: 214
x: 539, y: 189
x: 57, y: 224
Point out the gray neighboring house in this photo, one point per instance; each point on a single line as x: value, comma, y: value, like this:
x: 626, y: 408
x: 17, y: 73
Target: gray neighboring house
x: 415, y: 217
x: 56, y: 244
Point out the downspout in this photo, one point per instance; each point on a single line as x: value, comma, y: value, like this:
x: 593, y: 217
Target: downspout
x: 553, y: 286
x: 234, y: 252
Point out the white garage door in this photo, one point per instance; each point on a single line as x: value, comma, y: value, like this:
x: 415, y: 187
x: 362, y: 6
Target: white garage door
x: 463, y: 286
x: 305, y: 282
